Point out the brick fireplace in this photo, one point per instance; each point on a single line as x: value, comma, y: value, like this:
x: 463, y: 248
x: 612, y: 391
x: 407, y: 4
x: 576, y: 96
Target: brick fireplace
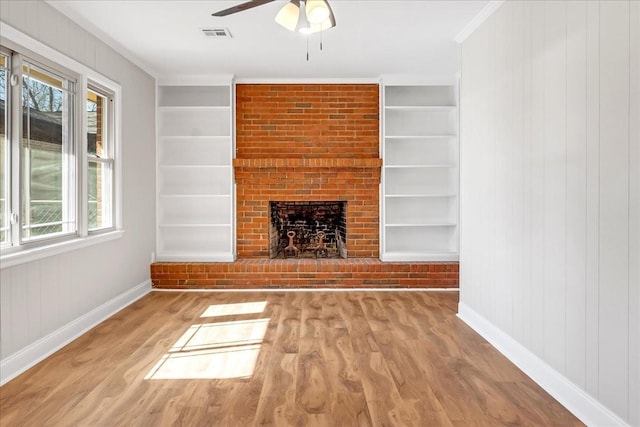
x: 302, y: 144
x: 307, y: 143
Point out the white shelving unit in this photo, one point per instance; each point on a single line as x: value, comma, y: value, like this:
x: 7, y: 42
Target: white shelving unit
x: 420, y: 173
x: 195, y: 173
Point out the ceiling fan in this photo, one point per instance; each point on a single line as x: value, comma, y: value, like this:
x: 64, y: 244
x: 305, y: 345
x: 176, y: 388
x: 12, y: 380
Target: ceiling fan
x: 314, y: 16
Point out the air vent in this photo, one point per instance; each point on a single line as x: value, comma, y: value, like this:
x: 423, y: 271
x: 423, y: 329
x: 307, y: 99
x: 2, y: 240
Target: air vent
x: 216, y: 32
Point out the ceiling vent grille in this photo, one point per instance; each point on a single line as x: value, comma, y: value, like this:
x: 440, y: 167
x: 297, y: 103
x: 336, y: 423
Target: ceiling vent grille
x: 216, y: 32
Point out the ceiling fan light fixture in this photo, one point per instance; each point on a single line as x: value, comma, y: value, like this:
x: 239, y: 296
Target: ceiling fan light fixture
x: 317, y: 11
x: 304, y: 26
x: 330, y: 22
x: 289, y: 14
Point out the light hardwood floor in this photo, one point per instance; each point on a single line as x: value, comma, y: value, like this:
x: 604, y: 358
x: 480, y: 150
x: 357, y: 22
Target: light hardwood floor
x: 280, y: 358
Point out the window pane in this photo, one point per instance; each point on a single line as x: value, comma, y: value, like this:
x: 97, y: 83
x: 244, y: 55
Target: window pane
x: 99, y: 195
x: 96, y: 135
x: 46, y: 171
x: 4, y: 152
x: 100, y: 172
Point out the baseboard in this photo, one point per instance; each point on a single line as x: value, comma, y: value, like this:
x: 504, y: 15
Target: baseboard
x: 580, y: 403
x: 24, y: 359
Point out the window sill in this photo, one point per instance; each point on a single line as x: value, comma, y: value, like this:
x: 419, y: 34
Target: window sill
x: 22, y: 257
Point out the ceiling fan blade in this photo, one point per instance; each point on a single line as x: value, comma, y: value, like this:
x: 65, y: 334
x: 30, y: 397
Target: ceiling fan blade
x: 241, y: 7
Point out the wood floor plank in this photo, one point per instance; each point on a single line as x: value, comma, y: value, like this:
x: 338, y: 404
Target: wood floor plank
x: 288, y: 333
x: 280, y: 359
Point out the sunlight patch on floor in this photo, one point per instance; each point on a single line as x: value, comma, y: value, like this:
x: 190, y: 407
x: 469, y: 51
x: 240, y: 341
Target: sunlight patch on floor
x: 218, y: 350
x: 254, y: 307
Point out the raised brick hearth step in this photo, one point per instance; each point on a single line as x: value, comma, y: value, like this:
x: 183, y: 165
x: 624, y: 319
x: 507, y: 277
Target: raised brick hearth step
x: 303, y: 273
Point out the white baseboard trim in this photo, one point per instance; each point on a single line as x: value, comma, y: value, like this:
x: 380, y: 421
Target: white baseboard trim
x: 17, y: 363
x: 580, y: 403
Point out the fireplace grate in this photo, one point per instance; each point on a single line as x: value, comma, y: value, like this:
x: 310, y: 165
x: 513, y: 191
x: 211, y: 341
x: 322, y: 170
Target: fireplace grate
x: 314, y: 229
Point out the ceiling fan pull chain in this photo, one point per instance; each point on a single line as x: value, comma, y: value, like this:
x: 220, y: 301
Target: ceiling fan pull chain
x: 307, y: 47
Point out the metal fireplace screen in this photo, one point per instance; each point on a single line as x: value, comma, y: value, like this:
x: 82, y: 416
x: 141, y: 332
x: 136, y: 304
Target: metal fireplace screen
x: 308, y: 229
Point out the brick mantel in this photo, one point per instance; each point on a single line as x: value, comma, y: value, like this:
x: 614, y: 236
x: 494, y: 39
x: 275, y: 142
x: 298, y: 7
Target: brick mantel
x: 343, y: 163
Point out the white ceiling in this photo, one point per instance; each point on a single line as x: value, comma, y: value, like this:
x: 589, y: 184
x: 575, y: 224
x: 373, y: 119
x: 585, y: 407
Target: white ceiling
x: 371, y: 38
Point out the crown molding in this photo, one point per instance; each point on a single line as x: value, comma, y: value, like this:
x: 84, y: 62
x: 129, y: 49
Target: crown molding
x: 477, y: 20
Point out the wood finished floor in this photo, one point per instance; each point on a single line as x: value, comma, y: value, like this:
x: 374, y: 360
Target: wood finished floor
x: 283, y: 359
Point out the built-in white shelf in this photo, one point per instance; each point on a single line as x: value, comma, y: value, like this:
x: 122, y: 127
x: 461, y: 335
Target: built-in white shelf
x: 428, y: 108
x: 420, y: 166
x: 195, y: 173
x: 435, y: 224
x: 217, y: 108
x: 432, y: 195
x: 420, y: 174
x: 405, y: 256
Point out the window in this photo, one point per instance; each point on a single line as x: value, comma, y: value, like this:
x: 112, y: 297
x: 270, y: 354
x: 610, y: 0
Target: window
x: 47, y: 152
x: 56, y: 184
x: 4, y: 150
x: 99, y: 157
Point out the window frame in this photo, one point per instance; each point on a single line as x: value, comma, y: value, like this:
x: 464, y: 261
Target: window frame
x: 109, y: 159
x: 70, y: 177
x: 6, y: 158
x: 42, y: 55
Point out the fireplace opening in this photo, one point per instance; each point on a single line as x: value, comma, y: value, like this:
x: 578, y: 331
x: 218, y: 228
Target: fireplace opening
x: 308, y: 229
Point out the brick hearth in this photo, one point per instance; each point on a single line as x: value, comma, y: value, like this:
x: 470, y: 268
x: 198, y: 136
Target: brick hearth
x: 303, y: 273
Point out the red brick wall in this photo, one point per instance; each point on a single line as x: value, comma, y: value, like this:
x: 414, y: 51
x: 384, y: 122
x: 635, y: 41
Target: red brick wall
x: 305, y: 143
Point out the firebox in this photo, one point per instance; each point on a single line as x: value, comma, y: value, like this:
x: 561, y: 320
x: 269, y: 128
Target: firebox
x: 308, y: 229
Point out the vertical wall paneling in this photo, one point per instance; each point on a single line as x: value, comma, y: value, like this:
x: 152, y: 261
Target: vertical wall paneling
x: 516, y: 106
x: 550, y: 203
x: 537, y: 175
x: 20, y: 307
x: 31, y: 17
x: 527, y: 269
x: 576, y: 190
x: 614, y: 203
x: 5, y: 311
x: 49, y: 269
x: 593, y: 191
x: 18, y: 14
x: 468, y: 86
x: 68, y: 292
x: 4, y: 8
x: 502, y: 153
x: 634, y: 212
x: 34, y: 300
x: 481, y: 91
x: 555, y: 183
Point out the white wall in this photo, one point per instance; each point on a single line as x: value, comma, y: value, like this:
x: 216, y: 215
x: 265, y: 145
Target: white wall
x: 550, y: 187
x: 41, y: 297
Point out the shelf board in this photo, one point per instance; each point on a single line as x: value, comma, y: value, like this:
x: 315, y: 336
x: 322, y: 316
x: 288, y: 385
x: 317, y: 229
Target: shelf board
x: 163, y: 137
x: 450, y: 166
x: 183, y: 137
x: 433, y: 224
x: 426, y: 108
x: 208, y: 225
x: 403, y: 196
x: 199, y: 196
x: 195, y: 256
x: 419, y: 256
x: 441, y: 136
x: 194, y: 166
x: 193, y: 107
